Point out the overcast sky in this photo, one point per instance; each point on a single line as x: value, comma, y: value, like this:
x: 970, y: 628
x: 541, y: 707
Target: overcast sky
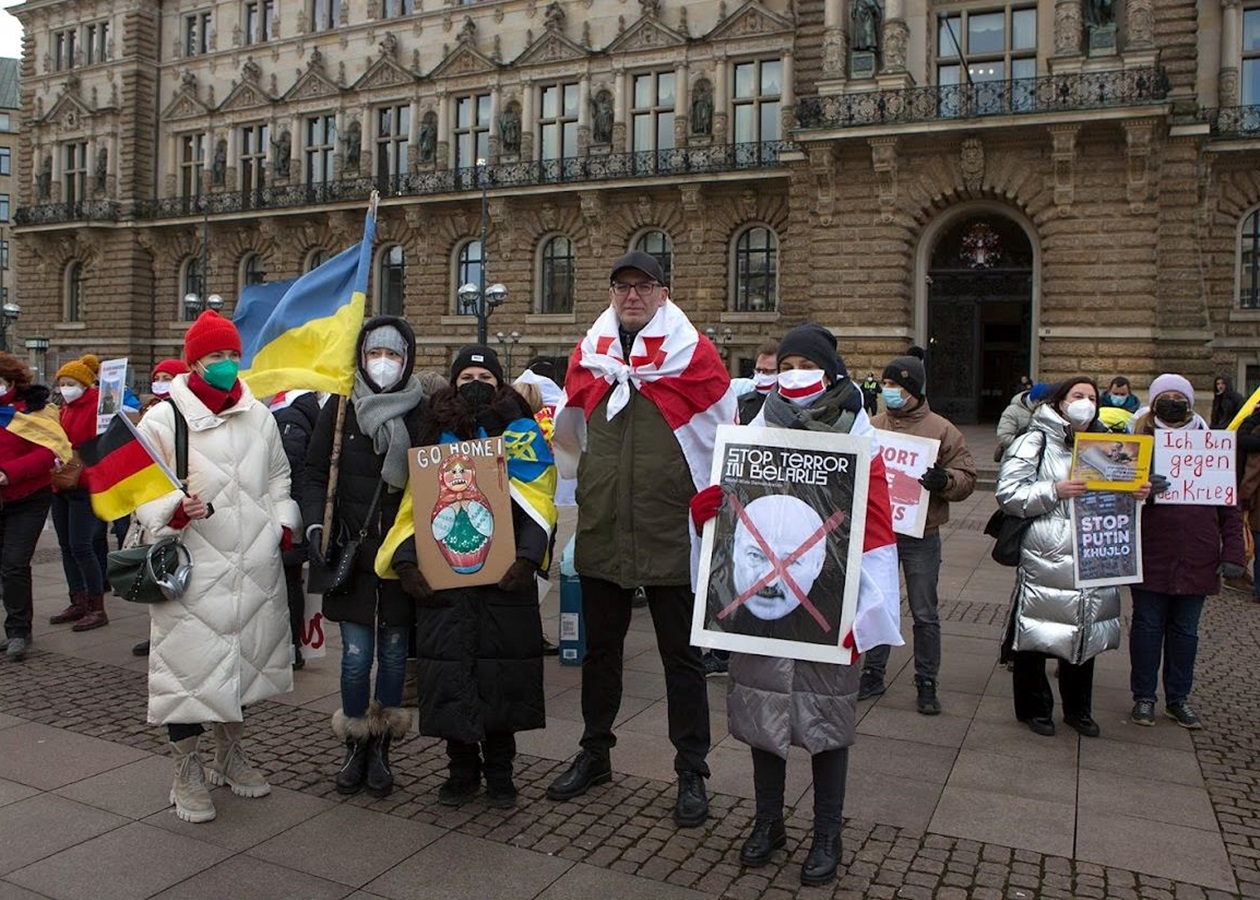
x: 10, y: 31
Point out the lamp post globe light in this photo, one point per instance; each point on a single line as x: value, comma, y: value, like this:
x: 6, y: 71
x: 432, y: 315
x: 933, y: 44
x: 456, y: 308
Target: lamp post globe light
x: 508, y: 342
x: 475, y: 298
x: 194, y: 304
x: 9, y: 313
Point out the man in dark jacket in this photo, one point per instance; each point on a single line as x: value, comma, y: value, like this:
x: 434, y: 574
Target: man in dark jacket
x: 295, y: 412
x: 1226, y: 402
x: 647, y: 392
x: 765, y: 377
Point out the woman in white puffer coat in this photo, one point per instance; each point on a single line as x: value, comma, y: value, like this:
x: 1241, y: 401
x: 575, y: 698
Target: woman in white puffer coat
x: 225, y: 643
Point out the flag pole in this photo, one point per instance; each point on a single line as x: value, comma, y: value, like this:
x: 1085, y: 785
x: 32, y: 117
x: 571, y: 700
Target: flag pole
x: 334, y: 462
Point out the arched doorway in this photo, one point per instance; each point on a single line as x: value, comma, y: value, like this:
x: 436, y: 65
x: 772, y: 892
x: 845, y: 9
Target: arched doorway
x: 980, y: 283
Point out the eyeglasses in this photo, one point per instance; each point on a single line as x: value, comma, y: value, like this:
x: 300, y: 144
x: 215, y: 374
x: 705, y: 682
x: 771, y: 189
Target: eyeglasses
x: 642, y: 289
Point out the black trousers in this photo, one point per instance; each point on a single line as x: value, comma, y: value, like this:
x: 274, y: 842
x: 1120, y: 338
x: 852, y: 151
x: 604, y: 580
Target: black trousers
x: 178, y: 731
x: 831, y: 772
x: 493, y: 756
x: 20, y: 524
x: 1033, y: 697
x: 297, y: 602
x: 606, y: 608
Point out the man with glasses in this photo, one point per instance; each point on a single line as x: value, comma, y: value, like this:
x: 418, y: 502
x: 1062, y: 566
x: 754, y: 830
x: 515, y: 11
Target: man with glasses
x: 644, y: 395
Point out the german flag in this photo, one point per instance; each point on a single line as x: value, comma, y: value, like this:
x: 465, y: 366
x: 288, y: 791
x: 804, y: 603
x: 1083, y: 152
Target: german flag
x: 122, y: 471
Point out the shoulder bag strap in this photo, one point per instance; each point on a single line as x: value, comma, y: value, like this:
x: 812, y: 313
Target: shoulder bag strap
x: 371, y: 513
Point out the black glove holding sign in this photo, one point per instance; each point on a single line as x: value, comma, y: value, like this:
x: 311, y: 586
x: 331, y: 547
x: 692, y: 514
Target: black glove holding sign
x: 935, y: 479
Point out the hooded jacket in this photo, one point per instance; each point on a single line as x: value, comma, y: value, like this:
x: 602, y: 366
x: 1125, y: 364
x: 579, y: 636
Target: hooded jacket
x: 1051, y: 614
x: 953, y: 456
x: 1015, y: 421
x: 1226, y: 404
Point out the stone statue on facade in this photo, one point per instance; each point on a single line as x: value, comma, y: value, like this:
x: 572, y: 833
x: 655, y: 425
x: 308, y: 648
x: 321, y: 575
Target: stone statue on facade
x: 510, y: 130
x: 866, y: 16
x: 43, y: 181
x: 1100, y: 13
x: 354, y: 145
x: 702, y: 107
x: 602, y: 126
x: 283, y: 149
x: 428, y: 137
x: 218, y: 171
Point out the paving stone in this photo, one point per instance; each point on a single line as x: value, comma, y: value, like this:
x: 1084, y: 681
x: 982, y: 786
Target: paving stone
x: 261, y: 880
x: 461, y: 866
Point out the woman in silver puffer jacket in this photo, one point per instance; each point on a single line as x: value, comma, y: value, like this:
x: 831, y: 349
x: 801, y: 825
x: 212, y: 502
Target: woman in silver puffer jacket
x: 1053, y: 617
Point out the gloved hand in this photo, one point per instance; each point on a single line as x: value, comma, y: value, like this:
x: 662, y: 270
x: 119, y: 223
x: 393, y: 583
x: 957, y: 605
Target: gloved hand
x: 413, y: 582
x: 519, y: 577
x: 286, y: 538
x: 314, y: 545
x: 935, y: 479
x: 1159, y: 484
x: 705, y: 505
x: 848, y: 642
x: 1232, y: 570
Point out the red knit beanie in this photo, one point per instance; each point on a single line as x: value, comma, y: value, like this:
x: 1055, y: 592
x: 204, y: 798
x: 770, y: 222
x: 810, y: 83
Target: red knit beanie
x: 170, y: 367
x: 209, y: 333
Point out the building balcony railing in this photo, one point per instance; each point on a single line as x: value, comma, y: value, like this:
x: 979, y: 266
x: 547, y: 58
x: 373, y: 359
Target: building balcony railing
x: 596, y: 168
x: 1023, y: 96
x: 1234, y: 121
x: 78, y: 211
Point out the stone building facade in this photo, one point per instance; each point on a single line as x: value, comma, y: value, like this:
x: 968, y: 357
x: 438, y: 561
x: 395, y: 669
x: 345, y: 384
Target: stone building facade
x: 1044, y: 187
x: 10, y: 103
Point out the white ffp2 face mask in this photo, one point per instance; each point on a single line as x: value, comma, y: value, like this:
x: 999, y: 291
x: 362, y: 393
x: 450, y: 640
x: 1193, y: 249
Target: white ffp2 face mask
x: 161, y: 388
x: 384, y: 372
x: 1081, y: 412
x: 71, y: 393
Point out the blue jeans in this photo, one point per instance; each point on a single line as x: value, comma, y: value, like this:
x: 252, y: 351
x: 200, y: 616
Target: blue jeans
x: 1165, y: 624
x: 921, y: 562
x: 359, y: 643
x: 77, y: 532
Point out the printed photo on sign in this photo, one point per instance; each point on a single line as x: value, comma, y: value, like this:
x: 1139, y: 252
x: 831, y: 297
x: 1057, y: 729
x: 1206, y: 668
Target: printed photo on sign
x: 1200, y: 466
x: 775, y: 563
x: 1112, y: 462
x: 113, y: 378
x: 1106, y: 541
x: 906, y: 458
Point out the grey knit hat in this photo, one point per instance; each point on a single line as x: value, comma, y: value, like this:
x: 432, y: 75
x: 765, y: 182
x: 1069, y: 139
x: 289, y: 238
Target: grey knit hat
x: 387, y: 337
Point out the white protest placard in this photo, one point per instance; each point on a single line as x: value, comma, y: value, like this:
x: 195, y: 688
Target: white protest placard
x: 1200, y: 466
x: 906, y: 458
x: 1106, y: 540
x: 113, y: 379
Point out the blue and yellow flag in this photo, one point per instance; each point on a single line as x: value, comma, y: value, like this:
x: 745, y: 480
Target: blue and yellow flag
x: 1247, y: 409
x: 301, y: 334
x: 42, y: 428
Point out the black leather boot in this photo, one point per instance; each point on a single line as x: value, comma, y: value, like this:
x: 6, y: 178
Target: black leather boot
x: 353, y: 771
x: 767, y: 836
x: 380, y: 777
x: 823, y: 859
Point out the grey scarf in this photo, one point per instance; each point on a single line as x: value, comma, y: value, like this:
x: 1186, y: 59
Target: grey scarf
x: 380, y: 417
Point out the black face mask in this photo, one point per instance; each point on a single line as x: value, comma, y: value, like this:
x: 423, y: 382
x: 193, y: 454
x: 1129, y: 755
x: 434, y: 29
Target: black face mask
x: 1174, y: 412
x: 477, y: 394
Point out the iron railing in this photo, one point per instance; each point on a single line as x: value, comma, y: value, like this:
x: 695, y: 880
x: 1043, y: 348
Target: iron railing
x: 77, y: 211
x: 1022, y: 96
x: 1234, y: 121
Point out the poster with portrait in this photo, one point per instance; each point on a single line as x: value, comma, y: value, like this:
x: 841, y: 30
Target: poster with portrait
x: 779, y: 564
x: 906, y: 458
x: 462, y: 511
x: 1106, y: 541
x: 1112, y: 462
x: 113, y: 380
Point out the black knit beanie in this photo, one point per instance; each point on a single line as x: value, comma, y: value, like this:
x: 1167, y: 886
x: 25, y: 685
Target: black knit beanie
x: 908, y: 372
x: 818, y: 345
x: 477, y: 355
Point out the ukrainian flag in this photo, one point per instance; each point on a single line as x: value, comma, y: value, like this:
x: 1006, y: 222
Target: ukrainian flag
x: 42, y: 428
x: 301, y: 334
x: 1247, y: 409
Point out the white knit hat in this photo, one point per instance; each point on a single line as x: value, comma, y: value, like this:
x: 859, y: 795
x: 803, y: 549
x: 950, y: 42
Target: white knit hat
x: 1171, y: 382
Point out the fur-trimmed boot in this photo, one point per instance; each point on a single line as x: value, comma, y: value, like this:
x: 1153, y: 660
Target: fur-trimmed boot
x: 354, y: 734
x: 388, y: 724
x: 72, y: 613
x: 189, y: 794
x: 95, y: 616
x: 231, y: 766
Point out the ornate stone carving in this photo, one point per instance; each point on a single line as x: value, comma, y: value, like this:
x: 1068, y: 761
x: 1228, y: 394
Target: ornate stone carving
x: 1141, y: 24
x: 251, y: 72
x: 389, y: 46
x: 593, y: 216
x: 896, y: 39
x: 1064, y: 159
x: 468, y: 32
x: 884, y: 164
x: 553, y: 18
x: 693, y: 214
x: 1067, y: 27
x: 971, y: 163
x: 1138, y: 136
x: 833, y: 53
x: 1228, y: 87
x: 822, y: 165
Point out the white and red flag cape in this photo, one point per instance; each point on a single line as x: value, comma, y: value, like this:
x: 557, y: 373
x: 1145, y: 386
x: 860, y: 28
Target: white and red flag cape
x: 670, y: 364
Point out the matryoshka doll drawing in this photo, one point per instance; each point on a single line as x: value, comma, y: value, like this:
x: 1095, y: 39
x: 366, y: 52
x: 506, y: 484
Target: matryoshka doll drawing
x: 462, y: 522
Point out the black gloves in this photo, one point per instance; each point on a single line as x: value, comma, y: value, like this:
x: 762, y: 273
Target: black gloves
x: 413, y: 583
x: 314, y: 551
x: 935, y: 479
x: 1232, y: 570
x: 519, y: 577
x: 1159, y: 484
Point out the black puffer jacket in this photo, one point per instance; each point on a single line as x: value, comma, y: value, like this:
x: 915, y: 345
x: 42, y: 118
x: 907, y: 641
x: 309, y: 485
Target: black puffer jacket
x: 296, y: 423
x: 371, y: 599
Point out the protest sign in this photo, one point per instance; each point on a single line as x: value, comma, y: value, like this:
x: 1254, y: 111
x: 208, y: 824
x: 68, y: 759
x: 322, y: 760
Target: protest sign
x: 1112, y: 462
x: 462, y: 512
x: 779, y: 565
x: 1200, y: 466
x: 113, y: 378
x: 1106, y: 542
x: 906, y: 458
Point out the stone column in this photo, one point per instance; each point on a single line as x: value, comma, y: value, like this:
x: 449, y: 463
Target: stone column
x: 584, y: 115
x: 721, y: 96
x: 528, y: 125
x: 787, y: 97
x: 896, y: 37
x: 443, y: 155
x: 1067, y: 27
x: 619, y: 110
x: 495, y: 142
x: 1231, y: 22
x: 1141, y: 25
x: 682, y: 108
x: 835, y: 41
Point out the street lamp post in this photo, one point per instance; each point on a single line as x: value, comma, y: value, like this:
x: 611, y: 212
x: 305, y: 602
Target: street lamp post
x: 508, y: 342
x: 721, y: 341
x: 477, y: 299
x: 9, y: 313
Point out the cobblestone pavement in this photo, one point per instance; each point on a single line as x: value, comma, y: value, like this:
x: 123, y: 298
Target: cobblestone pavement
x: 627, y: 828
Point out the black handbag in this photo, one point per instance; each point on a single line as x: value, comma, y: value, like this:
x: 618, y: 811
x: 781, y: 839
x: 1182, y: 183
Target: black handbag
x: 1008, y: 532
x: 333, y: 578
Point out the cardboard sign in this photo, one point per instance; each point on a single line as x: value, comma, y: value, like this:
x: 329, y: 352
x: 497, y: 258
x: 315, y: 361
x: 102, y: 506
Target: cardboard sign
x: 906, y: 458
x: 776, y: 562
x: 1200, y: 466
x: 463, y: 512
x: 1112, y: 462
x: 314, y: 644
x: 113, y: 380
x: 1106, y: 541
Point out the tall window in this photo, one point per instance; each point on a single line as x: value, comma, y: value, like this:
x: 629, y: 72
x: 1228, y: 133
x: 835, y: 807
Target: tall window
x: 74, y: 172
x: 4, y: 207
x: 64, y: 48
x: 260, y: 17
x: 756, y: 104
x: 321, y: 144
x: 1249, y: 90
x: 558, y: 122
x: 1249, y: 258
x: 96, y: 42
x: 192, y: 159
x: 324, y: 14
x: 657, y: 245
x: 4, y: 255
x: 472, y: 130
x: 756, y: 271
x: 468, y: 264
x: 72, y: 306
x: 6, y: 161
x: 392, y: 9
x: 998, y: 45
x: 252, y: 270
x: 197, y: 33
x: 556, y: 293
x: 652, y: 118
x: 389, y: 282
x: 393, y: 131
x: 192, y: 281
x: 253, y: 160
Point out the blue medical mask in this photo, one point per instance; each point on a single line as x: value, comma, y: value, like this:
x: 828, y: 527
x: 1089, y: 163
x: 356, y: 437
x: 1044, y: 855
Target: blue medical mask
x: 893, y: 398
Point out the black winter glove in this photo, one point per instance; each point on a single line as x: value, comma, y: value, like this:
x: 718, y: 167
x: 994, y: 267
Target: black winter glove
x: 414, y: 584
x: 519, y: 577
x: 935, y: 479
x: 1232, y: 570
x: 314, y: 542
x: 1159, y: 484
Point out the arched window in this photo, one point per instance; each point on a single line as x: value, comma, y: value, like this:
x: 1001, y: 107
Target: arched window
x: 316, y: 258
x: 756, y: 270
x: 468, y: 263
x: 1249, y: 259
x: 555, y: 293
x: 389, y: 281
x: 191, y: 281
x: 252, y: 270
x: 658, y: 245
x: 72, y: 306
